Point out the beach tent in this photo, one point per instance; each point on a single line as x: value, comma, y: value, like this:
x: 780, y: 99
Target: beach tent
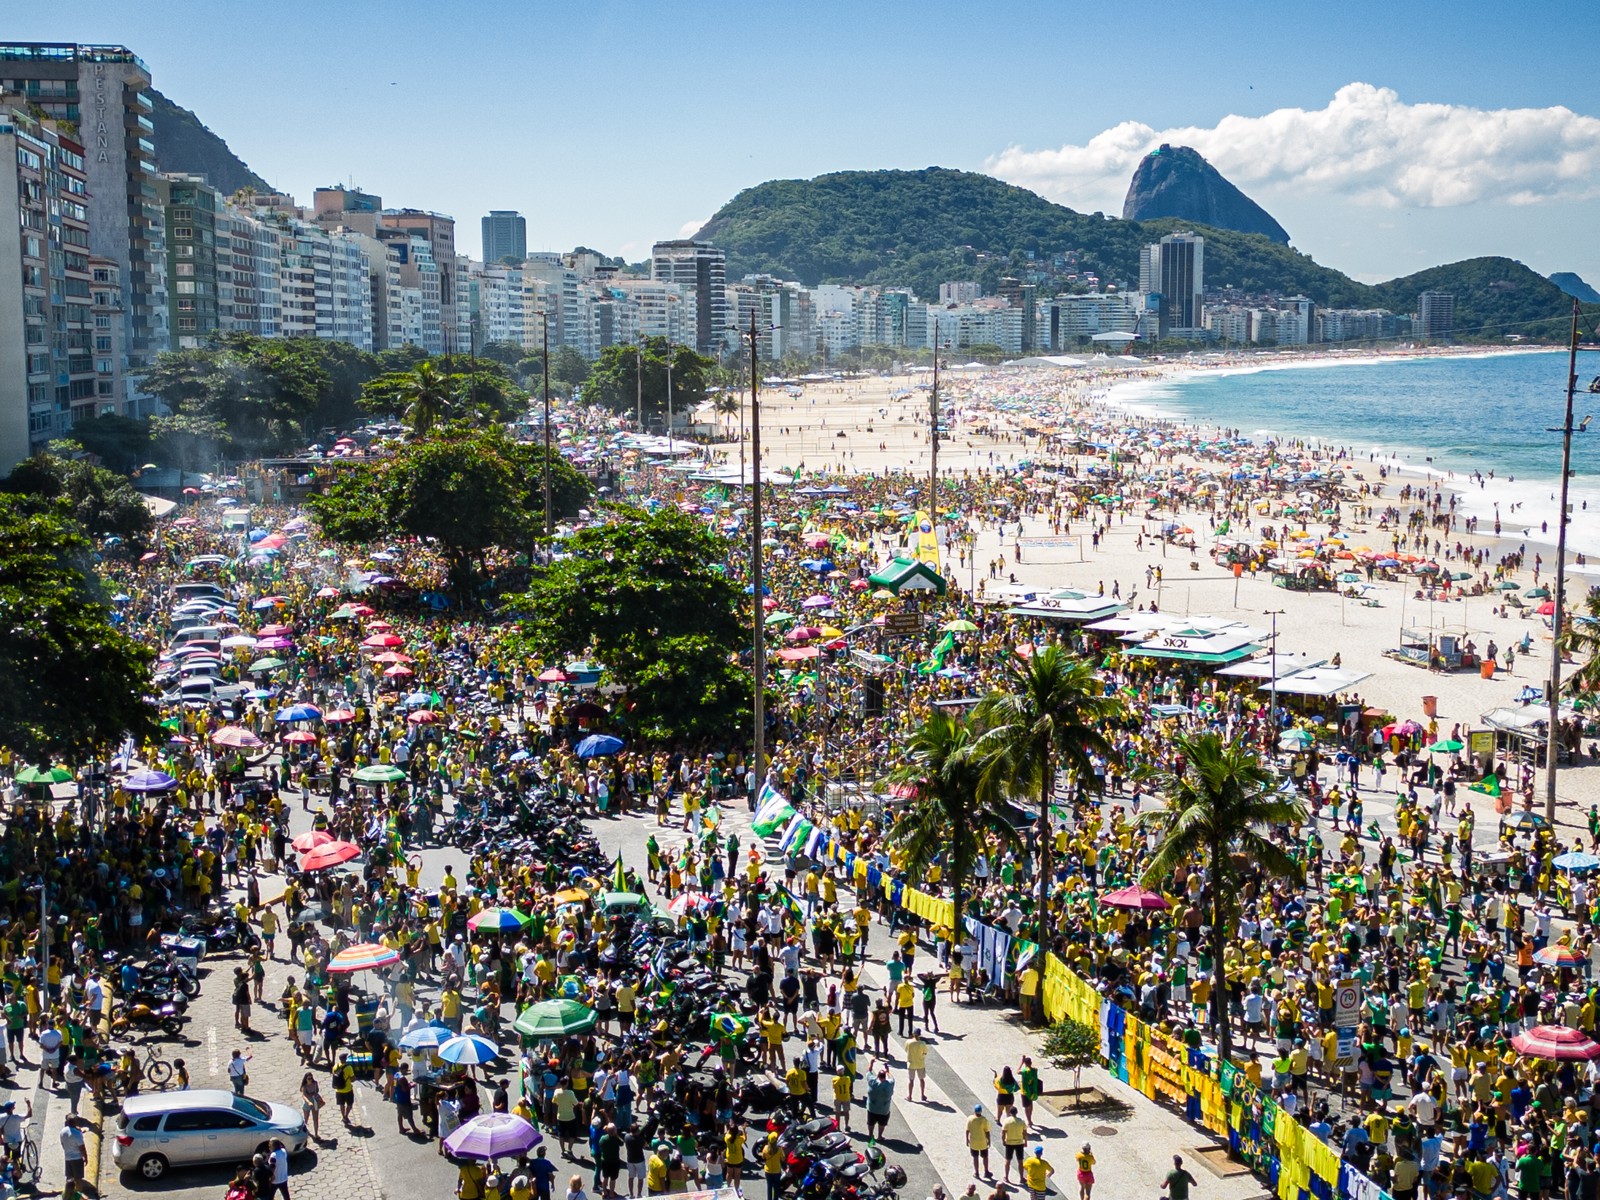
x: 1317, y: 681
x: 907, y: 575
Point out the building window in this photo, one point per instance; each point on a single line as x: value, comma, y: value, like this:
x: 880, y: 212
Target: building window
x: 183, y: 232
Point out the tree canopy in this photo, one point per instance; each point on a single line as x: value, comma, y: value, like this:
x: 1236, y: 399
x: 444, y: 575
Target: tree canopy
x: 432, y: 392
x: 614, y: 379
x: 104, y: 503
x: 58, y: 645
x: 469, y: 490
x: 643, y: 595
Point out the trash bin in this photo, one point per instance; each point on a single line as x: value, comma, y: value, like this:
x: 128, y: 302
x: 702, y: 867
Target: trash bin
x: 1430, y: 706
x: 1486, y: 668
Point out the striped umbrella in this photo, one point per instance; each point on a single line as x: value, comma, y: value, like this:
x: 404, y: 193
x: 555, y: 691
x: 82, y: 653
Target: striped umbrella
x: 1557, y: 955
x: 1555, y: 1041
x: 426, y: 1037
x: 369, y: 956
x: 498, y: 918
x: 469, y: 1049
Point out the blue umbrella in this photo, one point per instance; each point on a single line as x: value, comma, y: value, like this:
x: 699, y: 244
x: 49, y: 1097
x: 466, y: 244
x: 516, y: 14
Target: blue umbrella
x: 298, y: 712
x: 469, y: 1048
x: 598, y: 745
x: 1577, y: 861
x: 427, y: 1037
x: 149, y: 781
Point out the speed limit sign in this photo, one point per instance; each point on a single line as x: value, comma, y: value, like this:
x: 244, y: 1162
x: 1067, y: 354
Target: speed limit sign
x: 1347, y: 1004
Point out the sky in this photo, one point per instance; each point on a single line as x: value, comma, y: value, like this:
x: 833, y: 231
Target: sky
x: 1384, y: 137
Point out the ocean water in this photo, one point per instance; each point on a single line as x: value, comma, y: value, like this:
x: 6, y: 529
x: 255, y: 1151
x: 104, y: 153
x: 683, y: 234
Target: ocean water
x: 1441, y: 417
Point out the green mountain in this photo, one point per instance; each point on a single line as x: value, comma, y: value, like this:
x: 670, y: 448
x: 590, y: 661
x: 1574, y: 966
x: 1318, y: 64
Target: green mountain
x: 185, y: 146
x: 919, y: 228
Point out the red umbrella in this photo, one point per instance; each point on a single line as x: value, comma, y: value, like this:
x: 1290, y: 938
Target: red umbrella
x: 399, y: 671
x: 1547, y: 609
x: 274, y: 630
x: 339, y: 716
x: 1132, y: 897
x: 1556, y: 1041
x: 300, y: 737
x: 392, y: 656
x: 383, y: 641
x: 307, y: 842
x: 329, y: 854
x: 555, y: 675
x: 423, y: 716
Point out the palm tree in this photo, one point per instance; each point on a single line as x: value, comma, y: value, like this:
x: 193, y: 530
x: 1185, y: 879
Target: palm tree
x: 1047, y: 720
x: 428, y: 399
x: 1221, y: 803
x: 1580, y: 635
x: 946, y: 821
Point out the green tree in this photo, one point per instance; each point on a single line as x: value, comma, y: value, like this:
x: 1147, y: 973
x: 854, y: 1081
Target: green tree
x: 122, y: 444
x: 1580, y: 635
x: 75, y: 683
x: 102, y: 502
x: 470, y: 490
x: 1221, y: 808
x: 946, y: 821
x: 507, y: 354
x: 1071, y: 1046
x: 642, y: 595
x: 429, y: 394
x: 1047, y: 719
x: 568, y: 367
x: 614, y: 381
x: 428, y: 398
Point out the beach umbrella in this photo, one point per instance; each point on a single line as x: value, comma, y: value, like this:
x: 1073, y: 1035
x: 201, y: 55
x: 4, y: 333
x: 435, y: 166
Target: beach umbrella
x: 274, y: 630
x: 379, y: 773
x: 958, y: 626
x: 1546, y: 609
x: 149, y: 781
x: 468, y: 1049
x: 43, y: 776
x: 1538, y: 593
x: 239, y: 641
x: 1296, y: 739
x: 339, y: 716
x: 423, y: 716
x: 555, y: 675
x: 329, y: 854
x: 598, y: 745
x: 492, y: 1135
x: 300, y: 737
x: 262, y: 665
x: 1505, y: 585
x: 497, y: 918
x: 1445, y: 746
x: 1557, y: 1042
x: 310, y: 841
x: 298, y: 712
x: 817, y: 601
x: 399, y: 671
x: 1349, y: 577
x: 684, y: 901
x: 1576, y: 861
x: 382, y: 641
x: 236, y: 737
x: 1133, y: 897
x: 427, y: 1037
x: 1525, y: 822
x: 1560, y: 957
x: 553, y: 1018
x: 368, y: 956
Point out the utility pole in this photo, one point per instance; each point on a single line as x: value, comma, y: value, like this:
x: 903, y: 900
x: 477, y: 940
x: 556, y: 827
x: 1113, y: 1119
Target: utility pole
x: 549, y: 528
x: 669, y: 397
x: 758, y: 656
x: 1553, y: 693
x: 1272, y: 713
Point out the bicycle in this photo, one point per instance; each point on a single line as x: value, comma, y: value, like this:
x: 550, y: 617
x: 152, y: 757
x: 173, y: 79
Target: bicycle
x: 154, y: 1071
x: 25, y: 1166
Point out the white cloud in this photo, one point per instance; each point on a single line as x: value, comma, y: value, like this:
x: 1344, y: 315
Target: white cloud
x: 689, y: 228
x: 1367, y: 146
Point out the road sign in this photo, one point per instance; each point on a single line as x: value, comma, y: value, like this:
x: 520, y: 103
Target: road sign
x: 1347, y: 1004
x: 1347, y: 1044
x: 902, y: 624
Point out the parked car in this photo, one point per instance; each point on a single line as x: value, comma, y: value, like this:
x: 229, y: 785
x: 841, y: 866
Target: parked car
x: 207, y: 1125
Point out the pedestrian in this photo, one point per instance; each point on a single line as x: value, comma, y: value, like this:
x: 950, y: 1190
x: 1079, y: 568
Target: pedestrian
x: 917, y: 1065
x: 1178, y: 1180
x: 978, y: 1129
x: 404, y: 1101
x: 1085, y: 1172
x: 344, y: 1087
x: 239, y: 1072
x: 278, y: 1159
x: 880, y: 1097
x: 1013, y: 1143
x: 311, y: 1103
x: 73, y: 1151
x: 241, y: 1000
x: 1037, y: 1172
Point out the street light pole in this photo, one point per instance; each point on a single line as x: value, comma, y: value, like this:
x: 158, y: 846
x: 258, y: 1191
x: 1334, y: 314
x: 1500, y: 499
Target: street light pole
x: 1553, y: 694
x: 758, y: 656
x: 1272, y: 713
x: 638, y: 395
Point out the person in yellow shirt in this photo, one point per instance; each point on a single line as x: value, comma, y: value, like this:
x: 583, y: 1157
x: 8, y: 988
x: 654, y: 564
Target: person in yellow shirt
x: 843, y: 1099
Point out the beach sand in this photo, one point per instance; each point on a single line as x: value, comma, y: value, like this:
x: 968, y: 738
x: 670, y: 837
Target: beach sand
x: 885, y: 426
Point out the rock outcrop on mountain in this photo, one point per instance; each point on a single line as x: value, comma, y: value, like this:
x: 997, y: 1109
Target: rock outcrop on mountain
x: 1575, y: 286
x: 1175, y: 181
x: 184, y: 146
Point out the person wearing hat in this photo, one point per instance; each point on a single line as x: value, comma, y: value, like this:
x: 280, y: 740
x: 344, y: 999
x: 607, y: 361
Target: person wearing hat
x: 978, y: 1131
x: 1036, y: 1172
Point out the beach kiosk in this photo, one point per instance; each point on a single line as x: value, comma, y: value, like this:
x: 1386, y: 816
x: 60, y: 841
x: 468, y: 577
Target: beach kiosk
x: 907, y: 575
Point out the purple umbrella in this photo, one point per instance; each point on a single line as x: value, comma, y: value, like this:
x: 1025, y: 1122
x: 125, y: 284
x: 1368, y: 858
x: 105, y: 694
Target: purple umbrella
x: 275, y: 643
x: 817, y: 601
x: 493, y: 1135
x: 149, y: 781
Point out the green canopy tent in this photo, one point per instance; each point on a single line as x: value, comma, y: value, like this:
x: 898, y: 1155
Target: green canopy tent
x: 907, y: 575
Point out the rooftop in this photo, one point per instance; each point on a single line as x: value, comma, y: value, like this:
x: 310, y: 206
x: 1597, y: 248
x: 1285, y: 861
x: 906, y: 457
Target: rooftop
x: 69, y: 52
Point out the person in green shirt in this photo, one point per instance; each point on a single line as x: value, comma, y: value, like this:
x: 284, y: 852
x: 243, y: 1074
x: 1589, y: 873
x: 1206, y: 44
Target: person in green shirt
x: 1530, y: 1175
x: 1178, y: 1180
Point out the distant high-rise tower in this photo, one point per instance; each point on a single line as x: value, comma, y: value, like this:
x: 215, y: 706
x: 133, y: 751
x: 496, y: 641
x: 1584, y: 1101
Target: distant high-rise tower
x: 1436, y: 315
x: 1175, y: 270
x: 505, y: 235
x: 702, y: 266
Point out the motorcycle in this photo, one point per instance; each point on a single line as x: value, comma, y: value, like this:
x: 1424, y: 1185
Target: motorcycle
x: 142, y: 1017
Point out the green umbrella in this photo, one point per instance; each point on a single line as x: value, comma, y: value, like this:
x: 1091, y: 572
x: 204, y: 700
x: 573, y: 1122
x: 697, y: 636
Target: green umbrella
x: 1349, y: 577
x: 1445, y: 746
x: 959, y: 626
x: 553, y: 1018
x: 43, y: 776
x: 1538, y: 593
x: 622, y: 900
x: 379, y: 773
x: 265, y: 664
x: 779, y: 618
x: 1505, y: 585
